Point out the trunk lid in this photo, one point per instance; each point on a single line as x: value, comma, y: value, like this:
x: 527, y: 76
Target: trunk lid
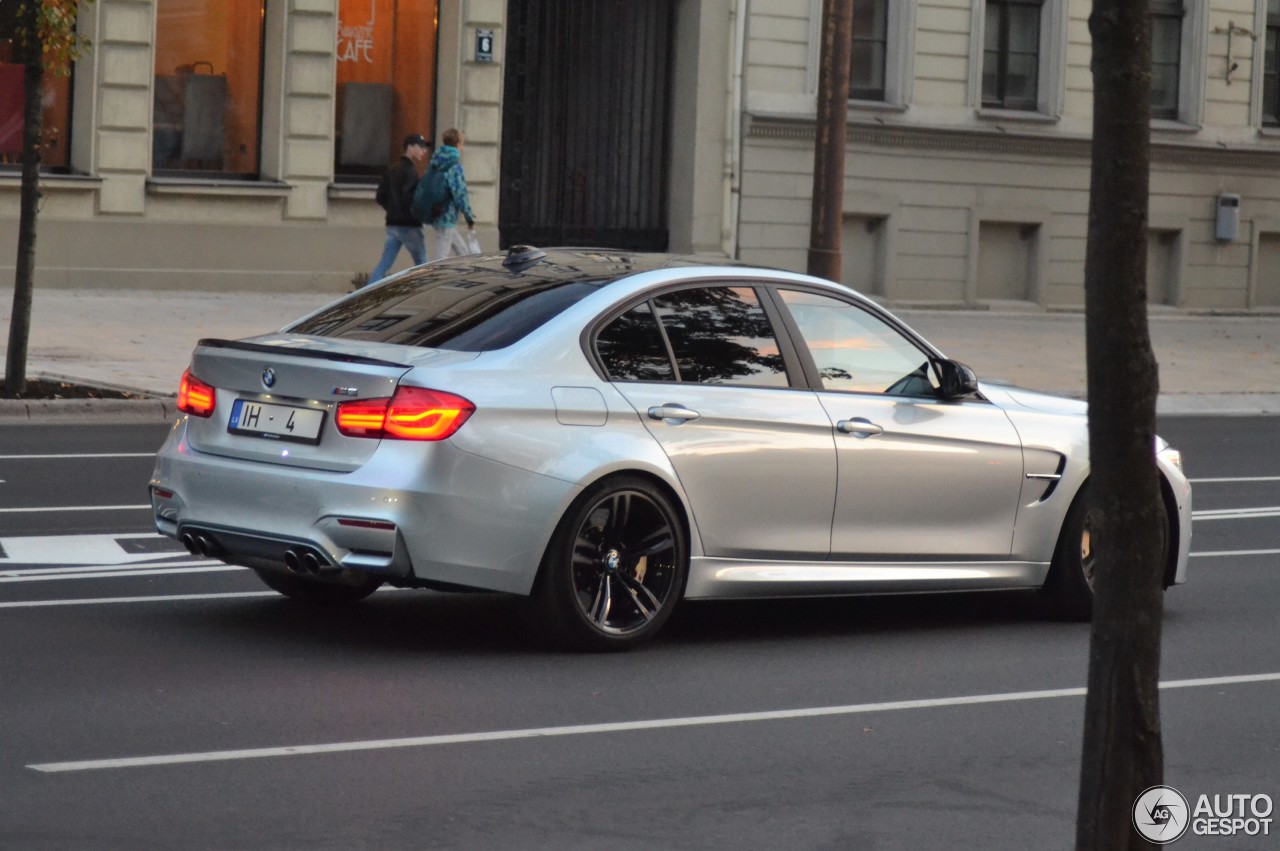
x: 277, y: 396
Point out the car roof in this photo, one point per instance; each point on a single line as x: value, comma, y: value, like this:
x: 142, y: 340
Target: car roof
x: 528, y: 265
x: 482, y: 302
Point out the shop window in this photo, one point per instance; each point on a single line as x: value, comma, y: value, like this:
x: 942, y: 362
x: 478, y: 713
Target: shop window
x: 385, y: 83
x: 55, y: 95
x: 208, y: 84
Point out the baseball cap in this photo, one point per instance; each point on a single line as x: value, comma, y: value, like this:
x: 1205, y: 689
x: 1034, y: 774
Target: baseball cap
x: 415, y: 139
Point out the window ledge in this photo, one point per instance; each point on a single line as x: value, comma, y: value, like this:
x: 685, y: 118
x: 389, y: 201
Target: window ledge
x: 876, y: 106
x: 361, y: 191
x: 1165, y: 125
x: 215, y: 186
x: 1026, y: 116
x: 1270, y: 132
x: 52, y: 182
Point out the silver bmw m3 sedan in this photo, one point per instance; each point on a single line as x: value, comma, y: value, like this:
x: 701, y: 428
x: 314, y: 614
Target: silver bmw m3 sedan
x: 608, y: 433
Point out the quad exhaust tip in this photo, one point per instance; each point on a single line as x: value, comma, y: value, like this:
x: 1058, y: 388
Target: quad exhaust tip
x: 200, y: 545
x: 305, y: 561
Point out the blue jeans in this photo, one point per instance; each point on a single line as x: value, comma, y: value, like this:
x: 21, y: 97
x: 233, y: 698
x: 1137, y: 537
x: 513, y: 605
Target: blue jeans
x: 398, y: 235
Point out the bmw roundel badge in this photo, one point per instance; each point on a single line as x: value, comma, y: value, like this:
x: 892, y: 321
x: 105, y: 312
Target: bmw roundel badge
x: 268, y: 377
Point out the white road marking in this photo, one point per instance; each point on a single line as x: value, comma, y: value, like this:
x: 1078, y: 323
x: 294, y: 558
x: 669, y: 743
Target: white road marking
x: 90, y: 550
x: 1237, y: 513
x: 1234, y: 479
x: 41, y: 510
x: 1220, y: 553
x: 115, y: 572
x: 617, y: 727
x: 77, y: 455
x: 99, y: 568
x: 161, y: 598
x: 169, y: 598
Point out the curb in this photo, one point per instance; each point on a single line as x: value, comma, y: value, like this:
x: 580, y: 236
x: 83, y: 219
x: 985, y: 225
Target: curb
x: 32, y: 411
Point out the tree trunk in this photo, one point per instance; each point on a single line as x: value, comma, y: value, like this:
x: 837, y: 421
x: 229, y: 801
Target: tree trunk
x: 30, y: 53
x: 1122, y: 752
x: 832, y: 132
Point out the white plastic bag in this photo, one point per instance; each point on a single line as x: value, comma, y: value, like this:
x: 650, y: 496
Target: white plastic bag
x: 473, y: 244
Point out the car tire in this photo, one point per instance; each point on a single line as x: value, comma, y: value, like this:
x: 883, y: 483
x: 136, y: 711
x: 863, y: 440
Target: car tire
x: 615, y: 568
x: 317, y: 590
x: 1069, y: 585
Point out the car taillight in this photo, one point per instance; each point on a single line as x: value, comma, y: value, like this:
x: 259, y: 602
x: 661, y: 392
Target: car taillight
x: 195, y: 397
x: 413, y: 413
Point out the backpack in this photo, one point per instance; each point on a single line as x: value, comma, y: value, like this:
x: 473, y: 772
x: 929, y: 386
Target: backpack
x: 430, y: 196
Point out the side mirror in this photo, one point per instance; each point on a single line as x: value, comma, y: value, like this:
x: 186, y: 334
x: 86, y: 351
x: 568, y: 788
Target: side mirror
x: 955, y: 380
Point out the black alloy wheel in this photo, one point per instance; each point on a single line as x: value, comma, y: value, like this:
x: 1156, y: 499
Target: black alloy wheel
x: 1070, y: 581
x: 615, y: 568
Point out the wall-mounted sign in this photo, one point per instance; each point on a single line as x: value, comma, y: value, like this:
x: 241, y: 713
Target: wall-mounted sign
x: 484, y: 45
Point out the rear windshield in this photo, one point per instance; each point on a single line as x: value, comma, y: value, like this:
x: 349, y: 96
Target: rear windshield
x: 445, y: 309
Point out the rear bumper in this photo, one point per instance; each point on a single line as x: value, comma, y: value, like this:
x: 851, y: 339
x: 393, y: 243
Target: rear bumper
x: 431, y: 512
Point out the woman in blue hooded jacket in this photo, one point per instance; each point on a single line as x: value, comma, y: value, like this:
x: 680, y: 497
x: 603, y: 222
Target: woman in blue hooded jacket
x: 448, y: 159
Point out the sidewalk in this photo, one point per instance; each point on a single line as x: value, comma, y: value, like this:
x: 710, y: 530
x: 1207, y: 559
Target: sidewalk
x: 142, y: 340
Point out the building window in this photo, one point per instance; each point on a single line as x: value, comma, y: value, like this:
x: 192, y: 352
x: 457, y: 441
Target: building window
x: 870, y: 50
x: 207, y: 114
x: 1271, y: 71
x: 386, y: 81
x: 1166, y: 58
x: 56, y: 96
x: 1011, y: 54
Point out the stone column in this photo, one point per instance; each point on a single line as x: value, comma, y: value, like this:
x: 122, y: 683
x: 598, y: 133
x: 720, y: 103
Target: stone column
x: 117, y: 148
x: 298, y: 103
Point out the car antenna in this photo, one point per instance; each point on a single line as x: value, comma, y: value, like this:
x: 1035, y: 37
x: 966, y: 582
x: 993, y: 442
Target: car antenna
x: 521, y: 257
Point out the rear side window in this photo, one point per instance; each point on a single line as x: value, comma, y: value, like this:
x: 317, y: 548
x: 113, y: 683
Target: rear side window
x: 631, y: 348
x: 721, y: 335
x: 718, y: 335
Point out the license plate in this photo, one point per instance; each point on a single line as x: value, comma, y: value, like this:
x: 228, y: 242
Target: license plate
x: 276, y: 422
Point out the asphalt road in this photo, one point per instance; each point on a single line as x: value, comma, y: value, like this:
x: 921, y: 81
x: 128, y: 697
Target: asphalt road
x: 153, y: 700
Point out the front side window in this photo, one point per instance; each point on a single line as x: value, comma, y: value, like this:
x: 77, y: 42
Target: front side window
x: 208, y: 86
x: 55, y: 90
x: 721, y: 335
x: 855, y: 351
x: 1011, y: 54
x: 1271, y: 71
x: 385, y: 82
x: 870, y: 50
x: 1166, y: 58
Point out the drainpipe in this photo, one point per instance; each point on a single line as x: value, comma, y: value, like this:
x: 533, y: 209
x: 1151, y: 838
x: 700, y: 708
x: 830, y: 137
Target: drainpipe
x: 733, y: 131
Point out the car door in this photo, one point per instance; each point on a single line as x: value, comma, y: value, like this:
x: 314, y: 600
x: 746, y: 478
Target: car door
x: 702, y: 367
x: 919, y: 478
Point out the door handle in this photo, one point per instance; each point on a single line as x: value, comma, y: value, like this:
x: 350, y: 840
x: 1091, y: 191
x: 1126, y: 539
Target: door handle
x: 859, y: 427
x: 672, y: 411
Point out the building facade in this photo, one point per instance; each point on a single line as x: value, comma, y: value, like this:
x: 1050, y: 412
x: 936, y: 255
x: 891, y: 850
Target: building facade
x: 224, y: 144
x: 967, y: 169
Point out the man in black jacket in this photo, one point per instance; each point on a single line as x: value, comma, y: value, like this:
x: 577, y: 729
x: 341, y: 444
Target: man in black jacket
x: 395, y: 194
